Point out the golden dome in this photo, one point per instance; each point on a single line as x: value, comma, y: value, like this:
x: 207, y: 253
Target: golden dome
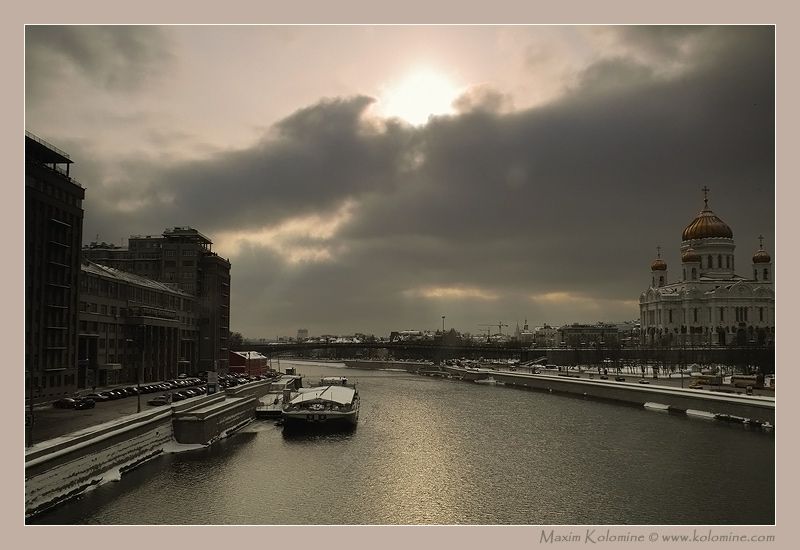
x: 690, y: 256
x: 658, y: 264
x: 761, y: 257
x: 707, y: 225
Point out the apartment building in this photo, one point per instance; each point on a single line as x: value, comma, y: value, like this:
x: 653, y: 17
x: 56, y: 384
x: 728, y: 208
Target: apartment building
x: 53, y: 235
x: 181, y: 256
x: 133, y: 329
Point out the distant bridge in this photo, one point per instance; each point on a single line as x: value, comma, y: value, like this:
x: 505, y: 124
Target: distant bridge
x: 762, y: 357
x: 400, y: 348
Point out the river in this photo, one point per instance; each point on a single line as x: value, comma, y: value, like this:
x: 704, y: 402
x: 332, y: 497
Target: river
x: 430, y: 451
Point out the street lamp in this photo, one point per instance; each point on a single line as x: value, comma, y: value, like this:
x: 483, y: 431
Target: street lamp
x: 443, y: 324
x: 29, y: 418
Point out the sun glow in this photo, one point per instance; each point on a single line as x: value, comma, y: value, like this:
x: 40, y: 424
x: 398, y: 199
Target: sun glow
x: 418, y: 96
x: 302, y: 239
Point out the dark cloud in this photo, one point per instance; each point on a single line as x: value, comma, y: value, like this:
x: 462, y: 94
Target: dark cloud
x: 117, y: 57
x: 570, y: 197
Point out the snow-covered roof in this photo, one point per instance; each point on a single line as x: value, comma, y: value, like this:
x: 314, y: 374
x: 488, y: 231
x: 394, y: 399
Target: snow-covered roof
x: 337, y: 394
x: 124, y: 276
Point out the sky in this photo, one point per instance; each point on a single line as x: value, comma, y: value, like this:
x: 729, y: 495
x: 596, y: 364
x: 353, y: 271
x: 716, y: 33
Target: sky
x: 379, y: 178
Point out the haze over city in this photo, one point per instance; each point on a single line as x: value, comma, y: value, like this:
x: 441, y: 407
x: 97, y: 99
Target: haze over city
x: 376, y: 178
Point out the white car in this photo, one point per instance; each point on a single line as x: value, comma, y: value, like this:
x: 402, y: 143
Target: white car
x: 96, y: 397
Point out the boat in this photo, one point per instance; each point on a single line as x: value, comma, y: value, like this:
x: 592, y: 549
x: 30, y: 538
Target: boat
x: 489, y: 381
x: 332, y: 404
x: 433, y: 370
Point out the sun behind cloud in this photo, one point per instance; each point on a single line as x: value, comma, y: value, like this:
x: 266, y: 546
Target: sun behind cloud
x: 419, y: 95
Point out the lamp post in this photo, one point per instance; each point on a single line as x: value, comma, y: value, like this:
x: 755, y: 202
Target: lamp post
x: 29, y: 417
x: 138, y: 374
x: 443, y: 324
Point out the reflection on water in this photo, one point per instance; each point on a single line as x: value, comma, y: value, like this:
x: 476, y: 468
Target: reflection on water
x: 436, y: 451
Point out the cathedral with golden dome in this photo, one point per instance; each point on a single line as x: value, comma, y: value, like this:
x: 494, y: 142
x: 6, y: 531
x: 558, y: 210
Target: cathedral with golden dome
x: 708, y: 303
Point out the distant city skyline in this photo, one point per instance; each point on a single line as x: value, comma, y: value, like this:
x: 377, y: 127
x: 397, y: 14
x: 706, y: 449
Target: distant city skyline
x: 556, y: 160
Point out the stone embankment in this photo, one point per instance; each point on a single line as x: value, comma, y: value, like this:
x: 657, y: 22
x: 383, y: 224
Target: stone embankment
x: 750, y: 409
x: 62, y: 468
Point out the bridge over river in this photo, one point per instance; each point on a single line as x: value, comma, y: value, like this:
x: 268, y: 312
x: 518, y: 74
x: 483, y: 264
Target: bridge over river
x: 762, y: 357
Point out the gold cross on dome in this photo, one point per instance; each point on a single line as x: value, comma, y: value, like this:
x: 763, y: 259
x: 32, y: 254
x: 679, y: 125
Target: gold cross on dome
x: 705, y: 191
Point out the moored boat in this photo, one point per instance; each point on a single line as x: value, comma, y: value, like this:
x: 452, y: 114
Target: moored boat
x: 332, y: 404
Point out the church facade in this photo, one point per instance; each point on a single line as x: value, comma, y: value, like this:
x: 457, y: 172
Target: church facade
x: 709, y: 304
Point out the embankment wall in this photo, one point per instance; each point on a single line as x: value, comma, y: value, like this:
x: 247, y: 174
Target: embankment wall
x: 753, y: 408
x: 62, y: 468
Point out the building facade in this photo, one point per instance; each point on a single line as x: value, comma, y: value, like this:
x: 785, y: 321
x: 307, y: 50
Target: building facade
x: 53, y: 234
x: 133, y: 329
x: 182, y: 256
x: 708, y: 303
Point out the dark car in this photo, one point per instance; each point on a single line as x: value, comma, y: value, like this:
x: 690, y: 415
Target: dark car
x: 619, y: 378
x: 84, y: 403
x: 64, y: 403
x: 643, y: 381
x: 131, y: 390
x: 178, y: 396
x: 603, y: 377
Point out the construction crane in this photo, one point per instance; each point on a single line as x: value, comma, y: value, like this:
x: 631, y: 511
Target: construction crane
x: 499, y: 326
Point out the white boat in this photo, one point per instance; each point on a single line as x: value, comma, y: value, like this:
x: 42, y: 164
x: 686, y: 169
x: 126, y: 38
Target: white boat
x: 332, y: 404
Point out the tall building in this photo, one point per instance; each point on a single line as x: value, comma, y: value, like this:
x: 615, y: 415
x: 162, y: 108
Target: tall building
x: 709, y: 304
x: 182, y: 256
x: 53, y: 235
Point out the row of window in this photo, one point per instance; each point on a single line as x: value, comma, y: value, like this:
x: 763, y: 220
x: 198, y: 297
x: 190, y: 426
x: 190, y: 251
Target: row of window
x: 53, y: 191
x: 98, y: 286
x: 52, y: 381
x: 741, y: 315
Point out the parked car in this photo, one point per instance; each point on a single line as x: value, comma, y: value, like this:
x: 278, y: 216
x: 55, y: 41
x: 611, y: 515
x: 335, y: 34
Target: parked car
x: 160, y: 400
x: 695, y: 386
x: 64, y: 403
x: 84, y: 403
x: 178, y: 396
x: 619, y: 378
x: 603, y: 377
x: 97, y: 397
x: 643, y: 381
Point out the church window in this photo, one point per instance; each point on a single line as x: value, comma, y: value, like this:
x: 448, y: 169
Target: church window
x: 722, y: 315
x: 728, y: 262
x: 694, y: 273
x: 766, y: 274
x: 710, y: 261
x: 694, y: 313
x: 661, y: 281
x: 755, y: 274
x: 719, y: 261
x: 670, y: 316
